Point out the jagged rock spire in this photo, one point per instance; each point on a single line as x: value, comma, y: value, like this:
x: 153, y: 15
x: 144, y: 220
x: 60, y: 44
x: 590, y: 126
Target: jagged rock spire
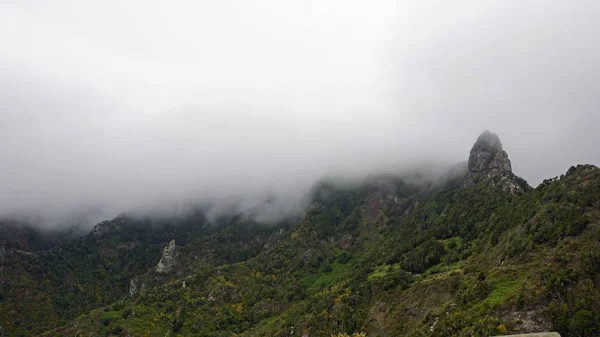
x: 487, y: 155
x: 489, y: 163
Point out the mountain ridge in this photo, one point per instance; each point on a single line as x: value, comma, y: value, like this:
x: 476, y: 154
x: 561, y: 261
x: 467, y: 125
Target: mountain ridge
x: 389, y: 257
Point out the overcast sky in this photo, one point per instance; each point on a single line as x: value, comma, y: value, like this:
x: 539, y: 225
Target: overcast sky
x: 124, y: 104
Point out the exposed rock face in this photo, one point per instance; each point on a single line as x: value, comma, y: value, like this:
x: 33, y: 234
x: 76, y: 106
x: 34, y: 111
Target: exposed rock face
x: 489, y: 163
x: 487, y: 155
x: 133, y: 288
x: 168, y: 260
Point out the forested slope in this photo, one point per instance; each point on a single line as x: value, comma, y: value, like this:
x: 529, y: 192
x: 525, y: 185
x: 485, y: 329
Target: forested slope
x: 473, y: 253
x: 391, y: 262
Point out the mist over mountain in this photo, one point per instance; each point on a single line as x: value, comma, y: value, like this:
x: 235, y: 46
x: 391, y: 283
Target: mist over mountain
x: 299, y: 168
x: 195, y: 103
x: 471, y: 250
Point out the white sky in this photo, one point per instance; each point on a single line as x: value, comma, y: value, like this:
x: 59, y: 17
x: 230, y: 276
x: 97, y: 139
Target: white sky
x: 121, y: 104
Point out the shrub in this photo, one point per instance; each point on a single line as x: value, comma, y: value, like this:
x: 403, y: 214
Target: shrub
x: 344, y: 257
x: 591, y: 262
x: 582, y: 323
x: 502, y: 329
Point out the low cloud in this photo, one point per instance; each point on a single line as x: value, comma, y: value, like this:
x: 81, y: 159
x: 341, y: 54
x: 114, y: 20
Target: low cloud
x: 233, y: 105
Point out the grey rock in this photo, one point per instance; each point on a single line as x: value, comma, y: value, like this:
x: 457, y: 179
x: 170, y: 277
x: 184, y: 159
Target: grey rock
x: 133, y: 288
x: 489, y: 164
x: 487, y: 155
x: 168, y: 261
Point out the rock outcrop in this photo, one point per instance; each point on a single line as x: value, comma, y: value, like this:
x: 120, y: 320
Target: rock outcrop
x: 133, y: 288
x: 489, y: 164
x: 168, y: 261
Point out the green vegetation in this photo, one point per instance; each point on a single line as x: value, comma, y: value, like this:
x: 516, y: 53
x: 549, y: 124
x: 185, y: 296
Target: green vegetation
x: 502, y: 290
x: 385, y: 258
x: 331, y: 273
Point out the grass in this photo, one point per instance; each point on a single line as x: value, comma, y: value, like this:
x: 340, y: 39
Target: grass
x: 318, y: 281
x: 502, y: 290
x: 452, y: 242
x: 381, y: 271
x: 442, y: 268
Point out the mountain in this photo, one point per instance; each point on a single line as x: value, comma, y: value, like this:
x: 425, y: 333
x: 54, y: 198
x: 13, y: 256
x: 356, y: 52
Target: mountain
x: 475, y: 253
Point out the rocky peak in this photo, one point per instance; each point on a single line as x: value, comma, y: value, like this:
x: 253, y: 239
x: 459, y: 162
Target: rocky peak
x: 168, y: 260
x: 487, y: 155
x: 489, y: 163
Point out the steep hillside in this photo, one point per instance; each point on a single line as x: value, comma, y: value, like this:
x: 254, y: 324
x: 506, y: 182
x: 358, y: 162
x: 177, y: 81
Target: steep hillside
x: 44, y: 288
x: 475, y: 254
x: 462, y: 261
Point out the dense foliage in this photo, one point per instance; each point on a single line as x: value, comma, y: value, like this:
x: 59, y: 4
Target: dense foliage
x: 387, y: 258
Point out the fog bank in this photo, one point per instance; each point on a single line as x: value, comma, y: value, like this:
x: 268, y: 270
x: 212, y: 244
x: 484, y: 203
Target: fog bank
x: 115, y: 106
